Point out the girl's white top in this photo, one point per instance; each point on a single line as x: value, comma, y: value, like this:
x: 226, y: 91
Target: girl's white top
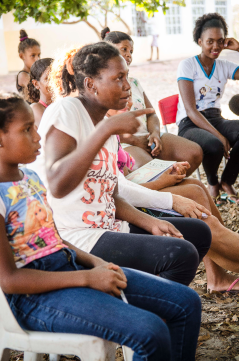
x: 89, y: 210
x: 208, y: 89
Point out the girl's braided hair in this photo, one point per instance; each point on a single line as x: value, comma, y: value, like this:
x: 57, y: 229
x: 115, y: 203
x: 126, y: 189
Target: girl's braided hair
x: 9, y: 102
x: 87, y: 62
x: 114, y: 37
x: 26, y: 42
x: 208, y: 21
x: 36, y: 71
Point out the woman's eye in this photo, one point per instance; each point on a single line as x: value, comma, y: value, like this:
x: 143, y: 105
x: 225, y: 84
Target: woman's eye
x: 27, y: 129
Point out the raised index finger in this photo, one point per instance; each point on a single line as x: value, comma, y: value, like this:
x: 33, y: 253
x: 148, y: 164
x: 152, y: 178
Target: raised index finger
x: 139, y: 112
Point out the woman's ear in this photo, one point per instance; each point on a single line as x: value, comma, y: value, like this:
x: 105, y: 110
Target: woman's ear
x: 35, y: 83
x: 200, y: 42
x: 21, y: 55
x: 89, y: 85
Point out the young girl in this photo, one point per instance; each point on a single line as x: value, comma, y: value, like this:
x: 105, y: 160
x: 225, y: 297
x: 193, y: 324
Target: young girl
x: 167, y: 146
x: 80, y: 152
x: 38, y: 88
x: 29, y: 51
x: 46, y: 279
x: 201, y: 81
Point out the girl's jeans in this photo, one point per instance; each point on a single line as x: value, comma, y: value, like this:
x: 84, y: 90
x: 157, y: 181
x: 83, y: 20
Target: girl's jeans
x: 138, y: 325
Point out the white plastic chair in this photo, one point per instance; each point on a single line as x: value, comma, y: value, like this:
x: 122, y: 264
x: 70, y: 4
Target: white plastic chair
x: 35, y: 344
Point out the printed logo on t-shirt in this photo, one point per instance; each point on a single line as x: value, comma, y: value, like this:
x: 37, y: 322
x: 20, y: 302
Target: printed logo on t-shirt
x: 99, y: 187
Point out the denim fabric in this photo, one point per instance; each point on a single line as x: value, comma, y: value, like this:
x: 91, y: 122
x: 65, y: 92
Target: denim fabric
x: 137, y: 324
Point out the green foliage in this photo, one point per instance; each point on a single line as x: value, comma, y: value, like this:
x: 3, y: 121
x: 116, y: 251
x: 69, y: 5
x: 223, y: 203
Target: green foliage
x: 45, y: 11
x: 57, y: 11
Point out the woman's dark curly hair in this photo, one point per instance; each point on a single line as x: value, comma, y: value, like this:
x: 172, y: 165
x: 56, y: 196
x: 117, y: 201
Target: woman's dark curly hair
x: 36, y: 71
x: 87, y: 62
x: 9, y: 102
x: 26, y: 42
x: 208, y: 21
x: 114, y: 37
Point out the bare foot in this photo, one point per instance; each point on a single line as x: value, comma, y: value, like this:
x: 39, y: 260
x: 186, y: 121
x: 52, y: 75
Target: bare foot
x: 229, y: 189
x: 214, y: 192
x: 149, y: 59
x: 223, y: 283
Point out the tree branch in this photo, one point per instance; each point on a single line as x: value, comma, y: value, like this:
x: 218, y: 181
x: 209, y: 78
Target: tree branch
x: 87, y: 22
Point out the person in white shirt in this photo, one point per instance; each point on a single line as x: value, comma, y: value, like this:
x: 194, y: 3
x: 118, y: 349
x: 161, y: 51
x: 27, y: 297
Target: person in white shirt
x: 201, y: 82
x: 166, y: 146
x: 78, y: 163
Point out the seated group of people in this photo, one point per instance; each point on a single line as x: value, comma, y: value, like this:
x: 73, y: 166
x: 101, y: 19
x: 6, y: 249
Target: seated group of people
x: 95, y: 125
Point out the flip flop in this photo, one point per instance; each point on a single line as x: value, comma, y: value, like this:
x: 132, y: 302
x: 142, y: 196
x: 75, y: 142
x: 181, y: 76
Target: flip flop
x: 233, y: 196
x: 232, y: 285
x: 220, y: 199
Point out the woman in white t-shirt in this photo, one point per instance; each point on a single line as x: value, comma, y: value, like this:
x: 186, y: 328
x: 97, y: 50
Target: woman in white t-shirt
x: 166, y: 146
x: 201, y: 81
x: 78, y: 164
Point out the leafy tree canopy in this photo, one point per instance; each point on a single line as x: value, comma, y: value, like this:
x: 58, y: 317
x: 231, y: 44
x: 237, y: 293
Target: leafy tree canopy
x: 59, y: 11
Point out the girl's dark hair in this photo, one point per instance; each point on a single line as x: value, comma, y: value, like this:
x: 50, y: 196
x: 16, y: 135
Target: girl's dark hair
x: 26, y: 42
x: 87, y: 62
x: 9, y: 102
x: 114, y: 37
x: 36, y: 71
x: 208, y: 21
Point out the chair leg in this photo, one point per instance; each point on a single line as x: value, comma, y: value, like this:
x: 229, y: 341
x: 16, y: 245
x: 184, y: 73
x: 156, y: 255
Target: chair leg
x: 166, y: 129
x: 198, y: 175
x: 54, y: 357
x: 4, y: 354
x: 32, y: 356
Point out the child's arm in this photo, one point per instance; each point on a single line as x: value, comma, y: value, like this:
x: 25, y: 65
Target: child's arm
x: 66, y: 165
x: 105, y: 277
x: 167, y: 179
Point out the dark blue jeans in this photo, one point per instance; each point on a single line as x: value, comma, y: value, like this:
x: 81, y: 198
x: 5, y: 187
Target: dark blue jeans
x: 138, y: 325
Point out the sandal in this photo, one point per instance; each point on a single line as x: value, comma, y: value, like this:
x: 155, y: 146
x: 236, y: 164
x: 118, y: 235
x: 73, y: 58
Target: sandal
x: 230, y: 196
x: 231, y: 286
x: 218, y: 198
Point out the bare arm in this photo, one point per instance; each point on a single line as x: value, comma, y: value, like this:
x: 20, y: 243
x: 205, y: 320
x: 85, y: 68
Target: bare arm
x: 67, y: 165
x: 187, y: 94
x: 105, y: 277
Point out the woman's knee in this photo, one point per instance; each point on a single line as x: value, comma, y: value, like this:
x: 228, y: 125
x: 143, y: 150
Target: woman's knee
x: 214, y: 148
x: 195, y: 156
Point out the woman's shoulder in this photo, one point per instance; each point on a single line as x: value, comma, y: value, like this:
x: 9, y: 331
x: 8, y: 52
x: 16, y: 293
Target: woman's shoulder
x: 188, y: 61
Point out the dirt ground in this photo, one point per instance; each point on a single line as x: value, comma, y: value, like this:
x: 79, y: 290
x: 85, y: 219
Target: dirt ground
x: 219, y: 334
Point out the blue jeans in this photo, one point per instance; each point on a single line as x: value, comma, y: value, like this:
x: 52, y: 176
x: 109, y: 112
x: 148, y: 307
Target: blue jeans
x: 138, y: 325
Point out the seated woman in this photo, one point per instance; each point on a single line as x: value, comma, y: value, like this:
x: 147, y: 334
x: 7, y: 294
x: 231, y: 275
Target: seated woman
x: 197, y: 197
x: 79, y: 164
x: 201, y: 82
x: 38, y: 88
x: 167, y: 146
x: 53, y: 286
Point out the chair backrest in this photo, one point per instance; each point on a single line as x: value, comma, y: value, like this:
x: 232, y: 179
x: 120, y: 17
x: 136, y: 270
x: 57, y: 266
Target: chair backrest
x: 7, y: 319
x: 168, y: 109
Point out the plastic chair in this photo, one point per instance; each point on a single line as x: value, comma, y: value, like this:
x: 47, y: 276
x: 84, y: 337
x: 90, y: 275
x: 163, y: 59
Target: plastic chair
x: 34, y: 344
x: 168, y: 109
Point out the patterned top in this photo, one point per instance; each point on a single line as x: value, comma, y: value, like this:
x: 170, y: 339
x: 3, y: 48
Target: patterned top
x: 28, y: 219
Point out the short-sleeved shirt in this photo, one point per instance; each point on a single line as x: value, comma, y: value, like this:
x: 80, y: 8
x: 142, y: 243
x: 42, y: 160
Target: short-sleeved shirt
x: 208, y: 89
x: 88, y: 211
x: 28, y: 219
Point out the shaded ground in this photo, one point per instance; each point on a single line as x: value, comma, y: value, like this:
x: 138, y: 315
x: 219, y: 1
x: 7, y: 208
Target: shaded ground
x: 219, y: 336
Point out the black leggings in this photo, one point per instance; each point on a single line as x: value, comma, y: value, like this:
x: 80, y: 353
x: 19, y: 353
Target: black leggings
x: 212, y: 147
x: 171, y: 258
